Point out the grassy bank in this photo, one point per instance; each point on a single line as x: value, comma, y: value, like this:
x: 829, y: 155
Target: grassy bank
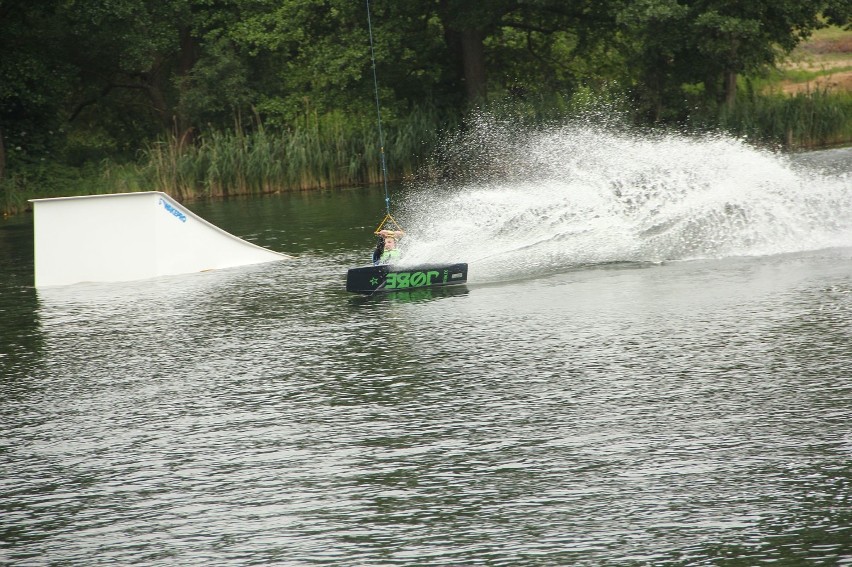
x: 824, y: 62
x: 805, y: 120
x: 335, y: 150
x: 47, y: 180
x: 331, y: 150
x: 805, y: 102
x: 320, y: 151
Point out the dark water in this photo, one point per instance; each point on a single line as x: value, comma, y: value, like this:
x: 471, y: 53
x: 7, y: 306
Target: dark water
x: 689, y: 410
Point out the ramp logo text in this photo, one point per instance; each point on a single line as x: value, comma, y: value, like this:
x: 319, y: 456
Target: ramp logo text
x: 179, y: 215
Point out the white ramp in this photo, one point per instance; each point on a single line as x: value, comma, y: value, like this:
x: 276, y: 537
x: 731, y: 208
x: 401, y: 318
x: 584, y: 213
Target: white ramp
x: 130, y: 236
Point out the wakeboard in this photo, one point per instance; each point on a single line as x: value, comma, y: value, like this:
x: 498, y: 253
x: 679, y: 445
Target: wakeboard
x: 388, y: 278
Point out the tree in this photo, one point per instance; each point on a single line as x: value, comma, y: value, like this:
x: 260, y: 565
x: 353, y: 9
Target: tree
x: 529, y: 40
x: 742, y: 37
x: 116, y: 73
x: 670, y: 43
x: 33, y: 80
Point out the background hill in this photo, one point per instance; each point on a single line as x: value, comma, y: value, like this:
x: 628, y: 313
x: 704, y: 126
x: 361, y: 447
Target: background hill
x: 822, y: 62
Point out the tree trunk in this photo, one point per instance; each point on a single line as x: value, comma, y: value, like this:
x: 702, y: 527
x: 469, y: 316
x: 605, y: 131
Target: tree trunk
x: 465, y: 43
x: 730, y: 89
x: 2, y: 156
x: 473, y: 60
x: 172, y: 116
x: 187, y: 58
x: 712, y: 81
x: 154, y: 89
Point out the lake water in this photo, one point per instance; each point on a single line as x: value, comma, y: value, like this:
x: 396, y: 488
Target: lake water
x: 651, y: 364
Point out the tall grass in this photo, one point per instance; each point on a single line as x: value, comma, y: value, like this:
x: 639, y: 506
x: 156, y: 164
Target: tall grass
x: 50, y: 179
x: 320, y: 151
x: 13, y: 196
x: 338, y: 149
x: 806, y: 120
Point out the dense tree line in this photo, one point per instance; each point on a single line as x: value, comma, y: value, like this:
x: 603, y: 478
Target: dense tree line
x: 92, y: 78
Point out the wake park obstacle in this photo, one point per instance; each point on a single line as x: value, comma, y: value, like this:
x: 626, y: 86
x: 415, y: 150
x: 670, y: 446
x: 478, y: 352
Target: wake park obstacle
x: 130, y: 236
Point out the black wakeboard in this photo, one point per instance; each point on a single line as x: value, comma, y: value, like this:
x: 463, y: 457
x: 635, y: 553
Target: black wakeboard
x: 387, y: 278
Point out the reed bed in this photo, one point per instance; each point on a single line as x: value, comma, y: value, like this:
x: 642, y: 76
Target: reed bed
x: 337, y: 149
x: 56, y: 180
x: 321, y: 151
x: 13, y: 195
x: 806, y: 120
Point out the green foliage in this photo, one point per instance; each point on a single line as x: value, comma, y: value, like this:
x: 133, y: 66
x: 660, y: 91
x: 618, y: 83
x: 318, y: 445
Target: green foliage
x: 668, y: 44
x: 817, y: 118
x: 191, y: 81
x: 217, y: 86
x: 805, y: 75
x: 50, y: 179
x: 322, y: 150
x: 33, y: 81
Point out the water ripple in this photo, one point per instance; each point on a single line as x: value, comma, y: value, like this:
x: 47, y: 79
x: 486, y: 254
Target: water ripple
x: 693, y: 413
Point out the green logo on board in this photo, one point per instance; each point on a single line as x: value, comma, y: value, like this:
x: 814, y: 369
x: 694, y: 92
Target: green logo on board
x: 402, y: 280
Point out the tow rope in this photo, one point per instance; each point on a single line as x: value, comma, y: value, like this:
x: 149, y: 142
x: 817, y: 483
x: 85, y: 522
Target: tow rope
x: 379, y: 116
x: 385, y: 220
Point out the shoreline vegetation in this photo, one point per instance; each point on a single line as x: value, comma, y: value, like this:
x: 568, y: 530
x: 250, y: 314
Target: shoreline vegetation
x: 334, y: 150
x: 806, y: 103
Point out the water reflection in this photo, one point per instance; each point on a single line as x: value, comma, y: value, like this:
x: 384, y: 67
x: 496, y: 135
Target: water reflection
x: 683, y: 413
x: 410, y: 296
x: 21, y: 343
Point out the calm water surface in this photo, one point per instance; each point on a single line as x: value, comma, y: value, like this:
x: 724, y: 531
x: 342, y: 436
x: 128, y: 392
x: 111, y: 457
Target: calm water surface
x: 689, y: 412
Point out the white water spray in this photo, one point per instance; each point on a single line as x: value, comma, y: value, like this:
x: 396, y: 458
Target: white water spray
x: 556, y: 198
